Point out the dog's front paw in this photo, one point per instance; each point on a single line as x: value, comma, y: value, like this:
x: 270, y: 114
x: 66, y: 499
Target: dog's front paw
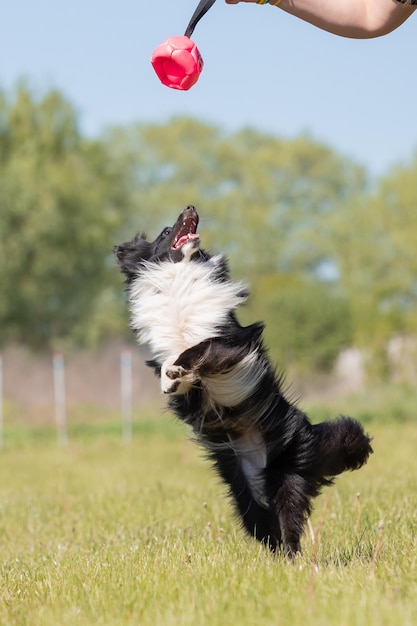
x: 175, y: 371
x: 175, y: 379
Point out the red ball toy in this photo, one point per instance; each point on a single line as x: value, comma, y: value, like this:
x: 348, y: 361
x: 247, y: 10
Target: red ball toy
x: 177, y: 62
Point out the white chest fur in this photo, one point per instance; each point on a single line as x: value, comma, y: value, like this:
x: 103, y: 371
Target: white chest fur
x: 251, y: 451
x: 177, y: 305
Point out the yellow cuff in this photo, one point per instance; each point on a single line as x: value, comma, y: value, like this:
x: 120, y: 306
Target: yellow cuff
x: 274, y: 4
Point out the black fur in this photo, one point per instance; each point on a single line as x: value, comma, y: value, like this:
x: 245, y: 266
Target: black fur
x: 301, y: 457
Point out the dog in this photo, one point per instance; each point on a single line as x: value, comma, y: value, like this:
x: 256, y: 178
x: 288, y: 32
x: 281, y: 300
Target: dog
x: 220, y: 381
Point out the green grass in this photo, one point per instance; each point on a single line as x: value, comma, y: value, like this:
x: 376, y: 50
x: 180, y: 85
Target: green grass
x: 104, y: 533
x: 379, y: 404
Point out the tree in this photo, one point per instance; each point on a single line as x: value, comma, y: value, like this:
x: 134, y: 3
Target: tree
x: 264, y: 200
x: 307, y: 322
x: 61, y: 200
x: 373, y: 245
x: 284, y: 210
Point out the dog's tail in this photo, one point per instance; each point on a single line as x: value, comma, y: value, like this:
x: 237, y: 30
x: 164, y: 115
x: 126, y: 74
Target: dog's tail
x: 343, y: 445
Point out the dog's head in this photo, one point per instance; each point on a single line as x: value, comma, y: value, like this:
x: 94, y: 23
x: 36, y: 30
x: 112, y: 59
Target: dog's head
x: 175, y: 243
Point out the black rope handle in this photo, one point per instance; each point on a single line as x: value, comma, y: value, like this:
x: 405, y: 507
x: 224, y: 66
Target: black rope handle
x: 202, y: 8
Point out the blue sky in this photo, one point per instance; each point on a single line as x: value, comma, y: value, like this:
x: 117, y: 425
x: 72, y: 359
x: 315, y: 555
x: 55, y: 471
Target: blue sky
x: 263, y: 68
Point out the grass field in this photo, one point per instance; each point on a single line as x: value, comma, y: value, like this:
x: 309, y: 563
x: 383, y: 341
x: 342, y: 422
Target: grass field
x: 106, y: 533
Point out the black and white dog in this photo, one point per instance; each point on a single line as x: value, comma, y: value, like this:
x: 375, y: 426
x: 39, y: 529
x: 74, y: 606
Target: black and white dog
x: 221, y: 382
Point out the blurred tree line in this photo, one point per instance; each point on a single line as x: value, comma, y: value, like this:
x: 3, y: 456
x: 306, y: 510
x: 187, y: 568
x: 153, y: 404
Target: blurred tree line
x: 330, y: 258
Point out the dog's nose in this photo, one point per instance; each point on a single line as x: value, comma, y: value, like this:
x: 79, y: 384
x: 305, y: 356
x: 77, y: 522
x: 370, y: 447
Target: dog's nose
x: 190, y: 210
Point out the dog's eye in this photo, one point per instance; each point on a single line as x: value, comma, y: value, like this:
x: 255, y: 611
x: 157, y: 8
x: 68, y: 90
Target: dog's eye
x: 166, y: 232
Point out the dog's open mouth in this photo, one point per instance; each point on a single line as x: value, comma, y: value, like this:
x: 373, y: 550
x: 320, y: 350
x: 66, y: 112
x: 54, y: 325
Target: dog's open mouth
x: 187, y: 232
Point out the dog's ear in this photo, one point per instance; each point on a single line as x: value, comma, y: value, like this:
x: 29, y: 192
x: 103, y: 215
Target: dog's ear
x: 132, y: 254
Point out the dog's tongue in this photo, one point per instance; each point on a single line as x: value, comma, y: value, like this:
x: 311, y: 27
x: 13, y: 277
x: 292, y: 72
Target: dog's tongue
x: 185, y: 238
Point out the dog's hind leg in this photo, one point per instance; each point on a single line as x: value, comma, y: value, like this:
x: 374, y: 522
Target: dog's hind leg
x: 290, y: 505
x: 256, y: 519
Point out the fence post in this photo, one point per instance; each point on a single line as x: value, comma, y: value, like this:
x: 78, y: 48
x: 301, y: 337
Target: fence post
x: 1, y: 404
x: 126, y: 394
x: 60, y: 399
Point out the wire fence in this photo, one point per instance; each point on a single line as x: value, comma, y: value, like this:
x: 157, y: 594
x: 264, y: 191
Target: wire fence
x: 65, y: 390
x: 51, y: 389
